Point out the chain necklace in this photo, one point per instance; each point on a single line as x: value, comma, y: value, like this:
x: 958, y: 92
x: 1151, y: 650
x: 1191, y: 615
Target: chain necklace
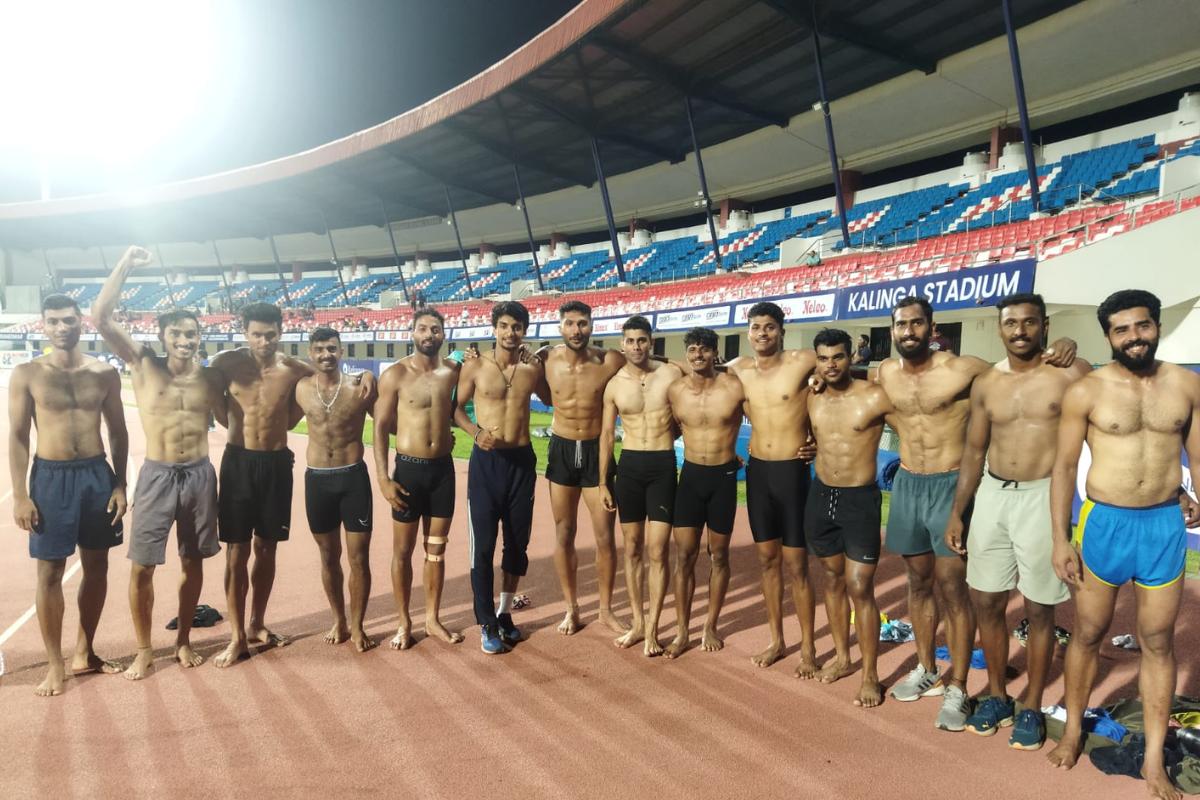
x: 330, y: 404
x: 508, y: 379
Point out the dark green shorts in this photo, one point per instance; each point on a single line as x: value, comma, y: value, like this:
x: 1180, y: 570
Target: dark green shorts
x: 920, y: 508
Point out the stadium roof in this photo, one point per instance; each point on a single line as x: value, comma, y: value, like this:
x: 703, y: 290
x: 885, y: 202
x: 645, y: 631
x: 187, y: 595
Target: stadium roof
x: 615, y: 69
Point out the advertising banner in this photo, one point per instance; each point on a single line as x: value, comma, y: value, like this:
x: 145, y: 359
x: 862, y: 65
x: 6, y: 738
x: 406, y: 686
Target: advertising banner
x: 965, y: 288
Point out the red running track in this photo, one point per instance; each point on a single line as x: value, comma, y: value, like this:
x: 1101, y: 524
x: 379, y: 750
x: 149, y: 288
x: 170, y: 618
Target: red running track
x: 558, y: 717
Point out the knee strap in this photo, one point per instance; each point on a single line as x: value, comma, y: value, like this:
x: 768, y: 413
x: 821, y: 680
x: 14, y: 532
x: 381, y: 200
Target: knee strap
x: 433, y: 557
x: 435, y: 540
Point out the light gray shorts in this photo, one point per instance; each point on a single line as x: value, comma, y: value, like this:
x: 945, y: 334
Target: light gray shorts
x: 183, y: 495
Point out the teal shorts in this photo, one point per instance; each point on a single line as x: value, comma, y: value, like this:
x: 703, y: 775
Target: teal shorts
x: 1145, y: 545
x: 919, y: 511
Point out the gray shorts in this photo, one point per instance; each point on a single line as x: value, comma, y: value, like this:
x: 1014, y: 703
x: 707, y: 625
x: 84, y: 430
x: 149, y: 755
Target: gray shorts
x: 183, y: 495
x: 919, y: 511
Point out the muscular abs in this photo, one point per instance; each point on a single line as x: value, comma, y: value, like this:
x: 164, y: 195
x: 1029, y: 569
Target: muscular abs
x: 423, y: 409
x: 67, y: 406
x: 710, y: 416
x: 174, y: 410
x: 502, y: 400
x: 777, y: 406
x: 260, y: 402
x: 1023, y: 411
x: 848, y: 427
x: 931, y: 414
x: 644, y: 408
x: 577, y: 393
x: 334, y: 432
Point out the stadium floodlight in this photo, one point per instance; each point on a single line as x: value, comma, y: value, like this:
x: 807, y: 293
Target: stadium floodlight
x: 106, y: 81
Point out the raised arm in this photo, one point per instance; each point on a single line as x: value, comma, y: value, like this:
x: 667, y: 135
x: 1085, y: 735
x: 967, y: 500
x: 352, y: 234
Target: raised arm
x: 20, y: 420
x: 1072, y: 432
x: 970, y: 471
x: 102, y: 310
x: 118, y: 441
x: 608, y: 435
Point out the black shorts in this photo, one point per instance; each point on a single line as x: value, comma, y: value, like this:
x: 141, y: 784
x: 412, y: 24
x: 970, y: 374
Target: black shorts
x: 430, y: 486
x: 255, y: 494
x: 338, y: 495
x: 844, y: 520
x: 575, y: 462
x: 707, y: 496
x: 645, y: 485
x: 775, y: 495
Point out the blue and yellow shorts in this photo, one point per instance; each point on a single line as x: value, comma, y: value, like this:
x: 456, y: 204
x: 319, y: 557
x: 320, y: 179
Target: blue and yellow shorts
x: 1145, y: 545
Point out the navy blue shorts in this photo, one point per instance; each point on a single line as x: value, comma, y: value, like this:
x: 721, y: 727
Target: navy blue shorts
x: 72, y: 502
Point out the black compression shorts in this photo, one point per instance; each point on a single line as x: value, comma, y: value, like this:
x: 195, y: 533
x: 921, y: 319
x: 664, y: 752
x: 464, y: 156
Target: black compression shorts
x: 645, y: 485
x: 775, y: 495
x: 255, y: 494
x: 430, y: 486
x: 707, y: 495
x: 338, y: 495
x: 844, y: 520
x: 575, y: 462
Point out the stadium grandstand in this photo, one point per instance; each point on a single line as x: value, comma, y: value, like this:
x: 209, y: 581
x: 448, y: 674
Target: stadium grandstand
x: 678, y: 160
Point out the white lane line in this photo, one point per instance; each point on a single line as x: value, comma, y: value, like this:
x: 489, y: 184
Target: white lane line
x: 28, y: 615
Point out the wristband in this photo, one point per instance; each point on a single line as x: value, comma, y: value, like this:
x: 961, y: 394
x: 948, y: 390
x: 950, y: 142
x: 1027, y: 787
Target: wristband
x: 475, y: 438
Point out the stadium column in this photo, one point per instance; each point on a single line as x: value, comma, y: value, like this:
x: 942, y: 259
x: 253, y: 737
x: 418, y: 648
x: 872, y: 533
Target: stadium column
x: 337, y: 265
x: 287, y: 296
x: 462, y: 254
x: 166, y: 276
x: 537, y: 268
x: 1014, y: 56
x: 608, y: 213
x: 712, y: 228
x: 833, y: 159
x: 45, y: 260
x: 387, y: 224
x: 224, y: 280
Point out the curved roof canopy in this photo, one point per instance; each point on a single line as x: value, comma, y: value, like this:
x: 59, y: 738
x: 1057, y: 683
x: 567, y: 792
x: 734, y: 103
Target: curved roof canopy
x: 616, y: 70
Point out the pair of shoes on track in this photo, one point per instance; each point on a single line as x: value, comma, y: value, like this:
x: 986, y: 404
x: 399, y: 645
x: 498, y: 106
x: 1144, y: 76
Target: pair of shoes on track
x: 501, y: 637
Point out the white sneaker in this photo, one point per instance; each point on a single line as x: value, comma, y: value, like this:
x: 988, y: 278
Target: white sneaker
x: 917, y: 684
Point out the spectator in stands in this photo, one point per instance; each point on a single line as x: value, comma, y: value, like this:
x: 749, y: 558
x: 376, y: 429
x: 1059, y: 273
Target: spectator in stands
x: 862, y: 354
x: 812, y: 258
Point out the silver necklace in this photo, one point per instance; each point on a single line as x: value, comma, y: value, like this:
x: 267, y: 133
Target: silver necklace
x: 330, y: 404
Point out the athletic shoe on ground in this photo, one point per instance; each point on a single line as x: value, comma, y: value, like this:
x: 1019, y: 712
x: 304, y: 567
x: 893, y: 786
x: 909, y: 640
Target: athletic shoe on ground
x: 956, y: 707
x: 1021, y: 632
x: 991, y: 714
x: 1029, y: 732
x: 490, y: 641
x: 509, y: 632
x: 917, y: 684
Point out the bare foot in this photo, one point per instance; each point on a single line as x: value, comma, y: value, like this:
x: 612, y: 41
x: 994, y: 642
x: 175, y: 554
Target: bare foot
x: 652, y: 648
x: 1067, y: 752
x: 675, y: 648
x: 834, y: 670
x: 631, y: 637
x: 187, y: 657
x: 270, y: 638
x: 769, y: 656
x: 362, y: 642
x: 710, y: 642
x: 402, y: 640
x: 339, y: 633
x: 870, y: 694
x: 143, y: 665
x: 612, y: 621
x: 436, y: 630
x: 90, y: 662
x: 1159, y: 785
x: 570, y: 624
x: 53, y: 684
x: 807, y: 668
x: 232, y: 654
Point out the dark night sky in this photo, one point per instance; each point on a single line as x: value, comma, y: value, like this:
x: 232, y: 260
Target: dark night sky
x: 293, y: 74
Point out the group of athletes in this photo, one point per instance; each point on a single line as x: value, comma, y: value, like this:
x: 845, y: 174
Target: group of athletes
x: 989, y: 448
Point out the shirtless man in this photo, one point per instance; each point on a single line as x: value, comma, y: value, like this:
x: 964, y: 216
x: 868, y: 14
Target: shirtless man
x: 777, y: 477
x: 1136, y: 414
x: 1015, y: 407
x: 643, y: 491
x: 576, y: 375
x: 72, y: 496
x: 337, y: 487
x: 503, y: 469
x: 177, y: 485
x: 931, y: 394
x: 256, y: 471
x: 708, y: 406
x: 842, y: 514
x: 419, y: 389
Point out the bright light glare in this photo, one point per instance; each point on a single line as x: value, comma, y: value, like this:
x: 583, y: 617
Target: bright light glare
x: 102, y: 81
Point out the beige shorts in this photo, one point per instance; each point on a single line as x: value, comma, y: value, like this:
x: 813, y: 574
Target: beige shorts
x: 1009, y: 544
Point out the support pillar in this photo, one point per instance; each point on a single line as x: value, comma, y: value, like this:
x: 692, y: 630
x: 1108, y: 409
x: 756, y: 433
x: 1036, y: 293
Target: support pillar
x: 1014, y: 56
x: 834, y: 165
x: 608, y: 213
x: 712, y: 228
x: 537, y: 268
x: 462, y: 254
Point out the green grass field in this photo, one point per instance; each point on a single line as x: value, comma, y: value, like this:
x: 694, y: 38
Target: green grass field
x: 540, y: 419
